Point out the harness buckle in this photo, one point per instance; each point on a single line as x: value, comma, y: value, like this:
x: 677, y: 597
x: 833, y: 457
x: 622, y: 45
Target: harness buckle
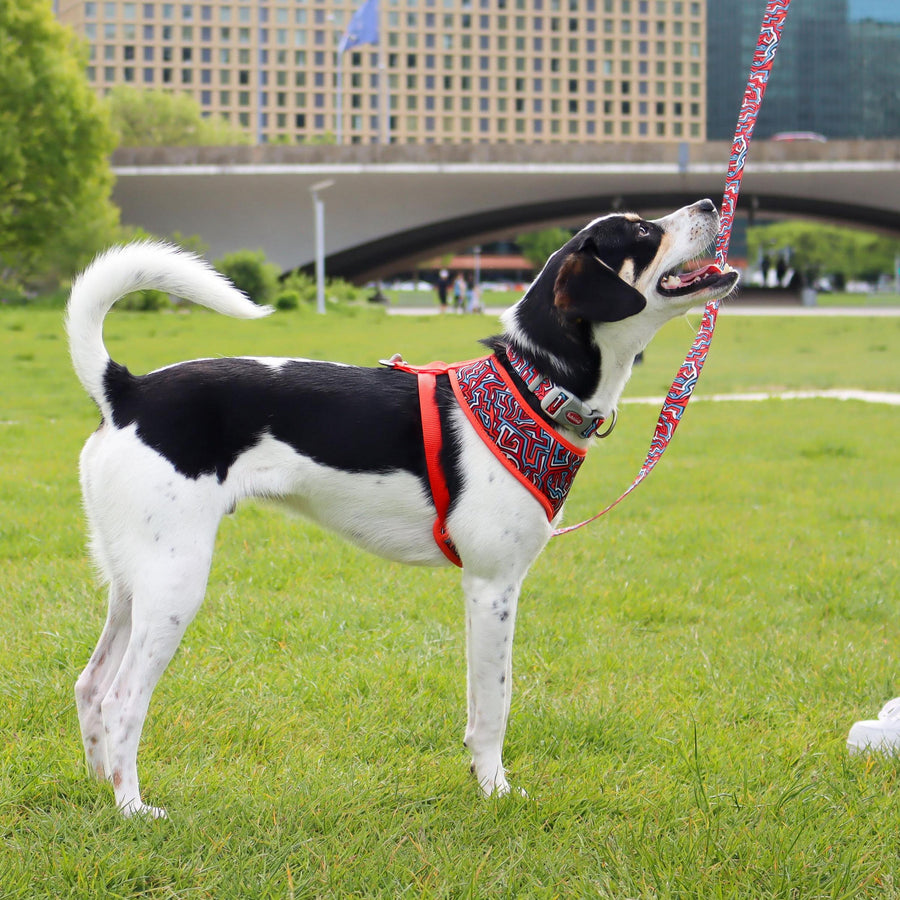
x: 567, y: 409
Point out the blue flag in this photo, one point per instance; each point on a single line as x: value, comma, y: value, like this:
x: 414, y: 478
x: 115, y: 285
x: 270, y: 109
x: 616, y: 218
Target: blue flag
x: 363, y: 27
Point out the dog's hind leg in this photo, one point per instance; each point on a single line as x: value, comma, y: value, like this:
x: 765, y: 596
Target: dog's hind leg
x: 167, y: 594
x: 490, y: 622
x: 95, y: 680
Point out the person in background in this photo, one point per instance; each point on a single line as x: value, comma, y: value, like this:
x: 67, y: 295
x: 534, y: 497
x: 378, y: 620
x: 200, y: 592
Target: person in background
x: 460, y: 289
x: 443, y: 285
x: 473, y: 301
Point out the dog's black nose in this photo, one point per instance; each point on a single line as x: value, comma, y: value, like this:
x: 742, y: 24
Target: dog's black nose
x: 706, y: 206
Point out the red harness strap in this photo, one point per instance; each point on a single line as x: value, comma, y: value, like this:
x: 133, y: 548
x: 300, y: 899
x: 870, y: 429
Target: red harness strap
x: 433, y: 439
x: 543, y: 461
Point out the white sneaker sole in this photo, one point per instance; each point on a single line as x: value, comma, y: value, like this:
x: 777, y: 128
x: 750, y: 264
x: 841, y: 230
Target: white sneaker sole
x: 875, y: 735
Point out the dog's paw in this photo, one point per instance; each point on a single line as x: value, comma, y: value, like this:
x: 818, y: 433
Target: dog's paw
x: 493, y: 784
x: 496, y: 788
x: 502, y: 789
x: 136, y: 809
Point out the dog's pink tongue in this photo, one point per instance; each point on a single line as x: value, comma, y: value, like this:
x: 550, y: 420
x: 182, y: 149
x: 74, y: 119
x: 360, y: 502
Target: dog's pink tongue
x: 690, y: 277
x: 711, y: 269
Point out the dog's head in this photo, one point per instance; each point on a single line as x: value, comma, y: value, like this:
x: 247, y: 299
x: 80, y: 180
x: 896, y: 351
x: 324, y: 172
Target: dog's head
x: 602, y: 296
x: 619, y: 265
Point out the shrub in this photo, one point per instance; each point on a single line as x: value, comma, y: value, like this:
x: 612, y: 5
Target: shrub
x: 145, y: 301
x: 303, y: 285
x: 250, y: 272
x: 287, y: 300
x: 337, y: 290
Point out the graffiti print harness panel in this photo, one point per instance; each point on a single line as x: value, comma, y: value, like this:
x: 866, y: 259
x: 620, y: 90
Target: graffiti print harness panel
x: 542, y: 460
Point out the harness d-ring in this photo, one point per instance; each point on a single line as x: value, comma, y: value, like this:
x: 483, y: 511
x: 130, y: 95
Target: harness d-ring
x: 612, y: 424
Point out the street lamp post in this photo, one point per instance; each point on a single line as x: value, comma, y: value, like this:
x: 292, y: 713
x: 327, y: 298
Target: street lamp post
x: 319, y: 209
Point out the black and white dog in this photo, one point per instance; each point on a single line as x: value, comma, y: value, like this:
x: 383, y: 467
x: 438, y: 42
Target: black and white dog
x: 178, y: 448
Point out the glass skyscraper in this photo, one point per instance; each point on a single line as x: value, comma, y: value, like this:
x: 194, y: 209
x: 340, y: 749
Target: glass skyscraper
x: 837, y: 71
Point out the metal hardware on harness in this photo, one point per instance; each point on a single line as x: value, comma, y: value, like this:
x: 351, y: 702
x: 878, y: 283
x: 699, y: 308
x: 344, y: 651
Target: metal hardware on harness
x: 604, y: 434
x: 561, y: 405
x: 566, y: 409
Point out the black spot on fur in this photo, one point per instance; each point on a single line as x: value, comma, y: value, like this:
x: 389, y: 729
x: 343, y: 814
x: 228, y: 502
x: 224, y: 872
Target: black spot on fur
x: 203, y: 415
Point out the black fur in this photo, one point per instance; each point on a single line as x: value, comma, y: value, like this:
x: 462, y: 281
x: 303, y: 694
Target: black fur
x: 615, y: 239
x: 574, y: 290
x: 202, y: 415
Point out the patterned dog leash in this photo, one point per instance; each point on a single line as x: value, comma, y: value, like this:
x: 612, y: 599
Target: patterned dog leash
x: 686, y: 380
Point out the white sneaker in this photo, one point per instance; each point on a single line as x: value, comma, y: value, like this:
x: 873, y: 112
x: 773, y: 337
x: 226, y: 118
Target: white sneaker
x: 881, y: 734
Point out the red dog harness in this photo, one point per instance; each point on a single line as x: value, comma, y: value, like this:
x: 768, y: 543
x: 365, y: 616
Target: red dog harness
x: 543, y: 461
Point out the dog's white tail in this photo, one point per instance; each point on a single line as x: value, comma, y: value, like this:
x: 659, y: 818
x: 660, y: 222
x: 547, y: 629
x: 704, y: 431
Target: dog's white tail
x: 140, y: 266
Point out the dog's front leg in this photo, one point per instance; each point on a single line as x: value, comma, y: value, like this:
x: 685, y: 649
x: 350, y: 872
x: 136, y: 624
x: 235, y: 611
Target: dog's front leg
x: 490, y: 622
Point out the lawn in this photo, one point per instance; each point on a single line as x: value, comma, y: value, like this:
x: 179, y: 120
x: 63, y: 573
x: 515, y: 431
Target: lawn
x: 843, y: 299
x: 495, y: 300
x: 686, y: 669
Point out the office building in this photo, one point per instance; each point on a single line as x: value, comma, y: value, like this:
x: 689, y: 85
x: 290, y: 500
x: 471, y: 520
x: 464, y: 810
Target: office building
x: 444, y: 71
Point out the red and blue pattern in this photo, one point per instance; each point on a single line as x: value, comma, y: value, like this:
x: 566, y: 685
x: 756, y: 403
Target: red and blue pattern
x: 760, y: 69
x: 686, y: 379
x: 529, y: 448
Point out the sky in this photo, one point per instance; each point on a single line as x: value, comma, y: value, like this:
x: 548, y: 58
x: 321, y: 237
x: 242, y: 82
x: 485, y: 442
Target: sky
x: 882, y: 10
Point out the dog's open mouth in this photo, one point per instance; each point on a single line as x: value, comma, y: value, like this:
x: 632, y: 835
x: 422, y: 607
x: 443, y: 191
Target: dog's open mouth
x: 706, y: 278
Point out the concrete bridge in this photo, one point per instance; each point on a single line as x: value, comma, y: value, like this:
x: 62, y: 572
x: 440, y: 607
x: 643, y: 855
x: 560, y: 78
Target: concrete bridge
x: 391, y: 207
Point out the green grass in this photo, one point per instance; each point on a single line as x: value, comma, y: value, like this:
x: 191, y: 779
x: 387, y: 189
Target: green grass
x: 428, y: 299
x: 502, y: 299
x: 686, y: 669
x: 843, y: 299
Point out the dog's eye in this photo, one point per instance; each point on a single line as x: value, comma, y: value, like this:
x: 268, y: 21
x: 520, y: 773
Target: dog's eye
x: 643, y: 230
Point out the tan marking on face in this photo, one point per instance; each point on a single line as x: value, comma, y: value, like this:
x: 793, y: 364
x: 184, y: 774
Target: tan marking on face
x: 654, y: 272
x: 626, y: 273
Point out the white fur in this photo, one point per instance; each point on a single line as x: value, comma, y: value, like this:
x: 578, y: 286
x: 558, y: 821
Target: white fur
x: 137, y: 267
x: 153, y: 529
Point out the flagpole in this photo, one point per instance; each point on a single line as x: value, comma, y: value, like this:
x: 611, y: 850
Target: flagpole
x: 363, y: 29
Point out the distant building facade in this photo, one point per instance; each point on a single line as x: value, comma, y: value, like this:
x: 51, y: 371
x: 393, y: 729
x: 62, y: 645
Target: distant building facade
x: 837, y: 72
x: 457, y: 71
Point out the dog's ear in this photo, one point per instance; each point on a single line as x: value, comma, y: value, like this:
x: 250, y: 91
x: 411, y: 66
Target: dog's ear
x: 587, y: 288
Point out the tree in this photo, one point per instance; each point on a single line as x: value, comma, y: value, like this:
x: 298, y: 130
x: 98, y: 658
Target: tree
x: 163, y: 119
x: 538, y: 246
x: 826, y: 249
x: 55, y: 141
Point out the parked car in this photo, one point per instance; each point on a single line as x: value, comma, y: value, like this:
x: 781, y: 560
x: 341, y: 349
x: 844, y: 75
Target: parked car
x: 800, y: 136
